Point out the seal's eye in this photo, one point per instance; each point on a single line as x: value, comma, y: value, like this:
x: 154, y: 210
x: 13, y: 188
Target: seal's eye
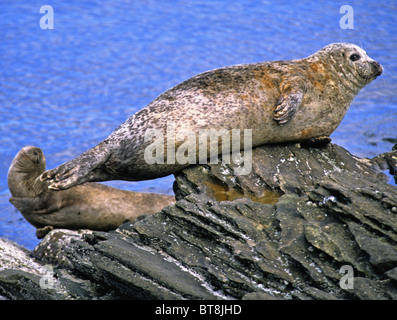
x: 354, y: 57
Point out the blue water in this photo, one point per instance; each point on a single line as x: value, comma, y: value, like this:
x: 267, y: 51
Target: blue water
x: 67, y: 89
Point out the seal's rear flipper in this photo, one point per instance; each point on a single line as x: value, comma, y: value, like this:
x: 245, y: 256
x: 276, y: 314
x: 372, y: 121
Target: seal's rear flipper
x: 78, y: 170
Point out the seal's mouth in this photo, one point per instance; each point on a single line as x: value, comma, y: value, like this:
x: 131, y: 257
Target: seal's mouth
x: 366, y: 78
x: 376, y: 71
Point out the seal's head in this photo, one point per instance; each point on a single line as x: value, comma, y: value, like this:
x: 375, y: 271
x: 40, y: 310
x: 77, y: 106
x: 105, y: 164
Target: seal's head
x: 351, y: 62
x: 28, y: 164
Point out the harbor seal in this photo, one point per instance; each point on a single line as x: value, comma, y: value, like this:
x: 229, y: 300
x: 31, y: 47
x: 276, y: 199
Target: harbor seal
x: 279, y: 101
x: 88, y: 206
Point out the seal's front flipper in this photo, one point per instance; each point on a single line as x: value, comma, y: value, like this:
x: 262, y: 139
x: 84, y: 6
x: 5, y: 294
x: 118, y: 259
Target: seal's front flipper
x: 319, y: 142
x: 291, y: 95
x: 42, y: 232
x: 286, y: 106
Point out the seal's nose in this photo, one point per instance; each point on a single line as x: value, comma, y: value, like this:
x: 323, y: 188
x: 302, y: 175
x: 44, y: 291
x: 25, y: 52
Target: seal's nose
x: 377, y: 69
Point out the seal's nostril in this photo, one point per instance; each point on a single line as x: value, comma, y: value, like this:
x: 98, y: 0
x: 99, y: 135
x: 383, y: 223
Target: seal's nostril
x: 377, y: 68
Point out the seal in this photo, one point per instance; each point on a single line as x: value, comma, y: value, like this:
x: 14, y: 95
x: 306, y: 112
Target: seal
x: 89, y: 206
x: 279, y: 101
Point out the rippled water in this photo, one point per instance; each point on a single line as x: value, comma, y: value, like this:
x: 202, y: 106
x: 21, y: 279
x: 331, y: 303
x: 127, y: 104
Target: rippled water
x: 67, y: 89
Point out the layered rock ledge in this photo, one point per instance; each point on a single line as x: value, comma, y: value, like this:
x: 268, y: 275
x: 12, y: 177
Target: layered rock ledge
x: 308, y: 222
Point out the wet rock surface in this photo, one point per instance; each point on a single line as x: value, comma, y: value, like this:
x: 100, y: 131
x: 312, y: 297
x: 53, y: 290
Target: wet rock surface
x: 308, y: 222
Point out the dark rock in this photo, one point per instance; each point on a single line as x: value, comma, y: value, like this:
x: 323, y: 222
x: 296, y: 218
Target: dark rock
x: 51, y: 249
x: 287, y: 230
x: 22, y: 277
x: 368, y: 289
x: 392, y: 274
x: 387, y: 161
